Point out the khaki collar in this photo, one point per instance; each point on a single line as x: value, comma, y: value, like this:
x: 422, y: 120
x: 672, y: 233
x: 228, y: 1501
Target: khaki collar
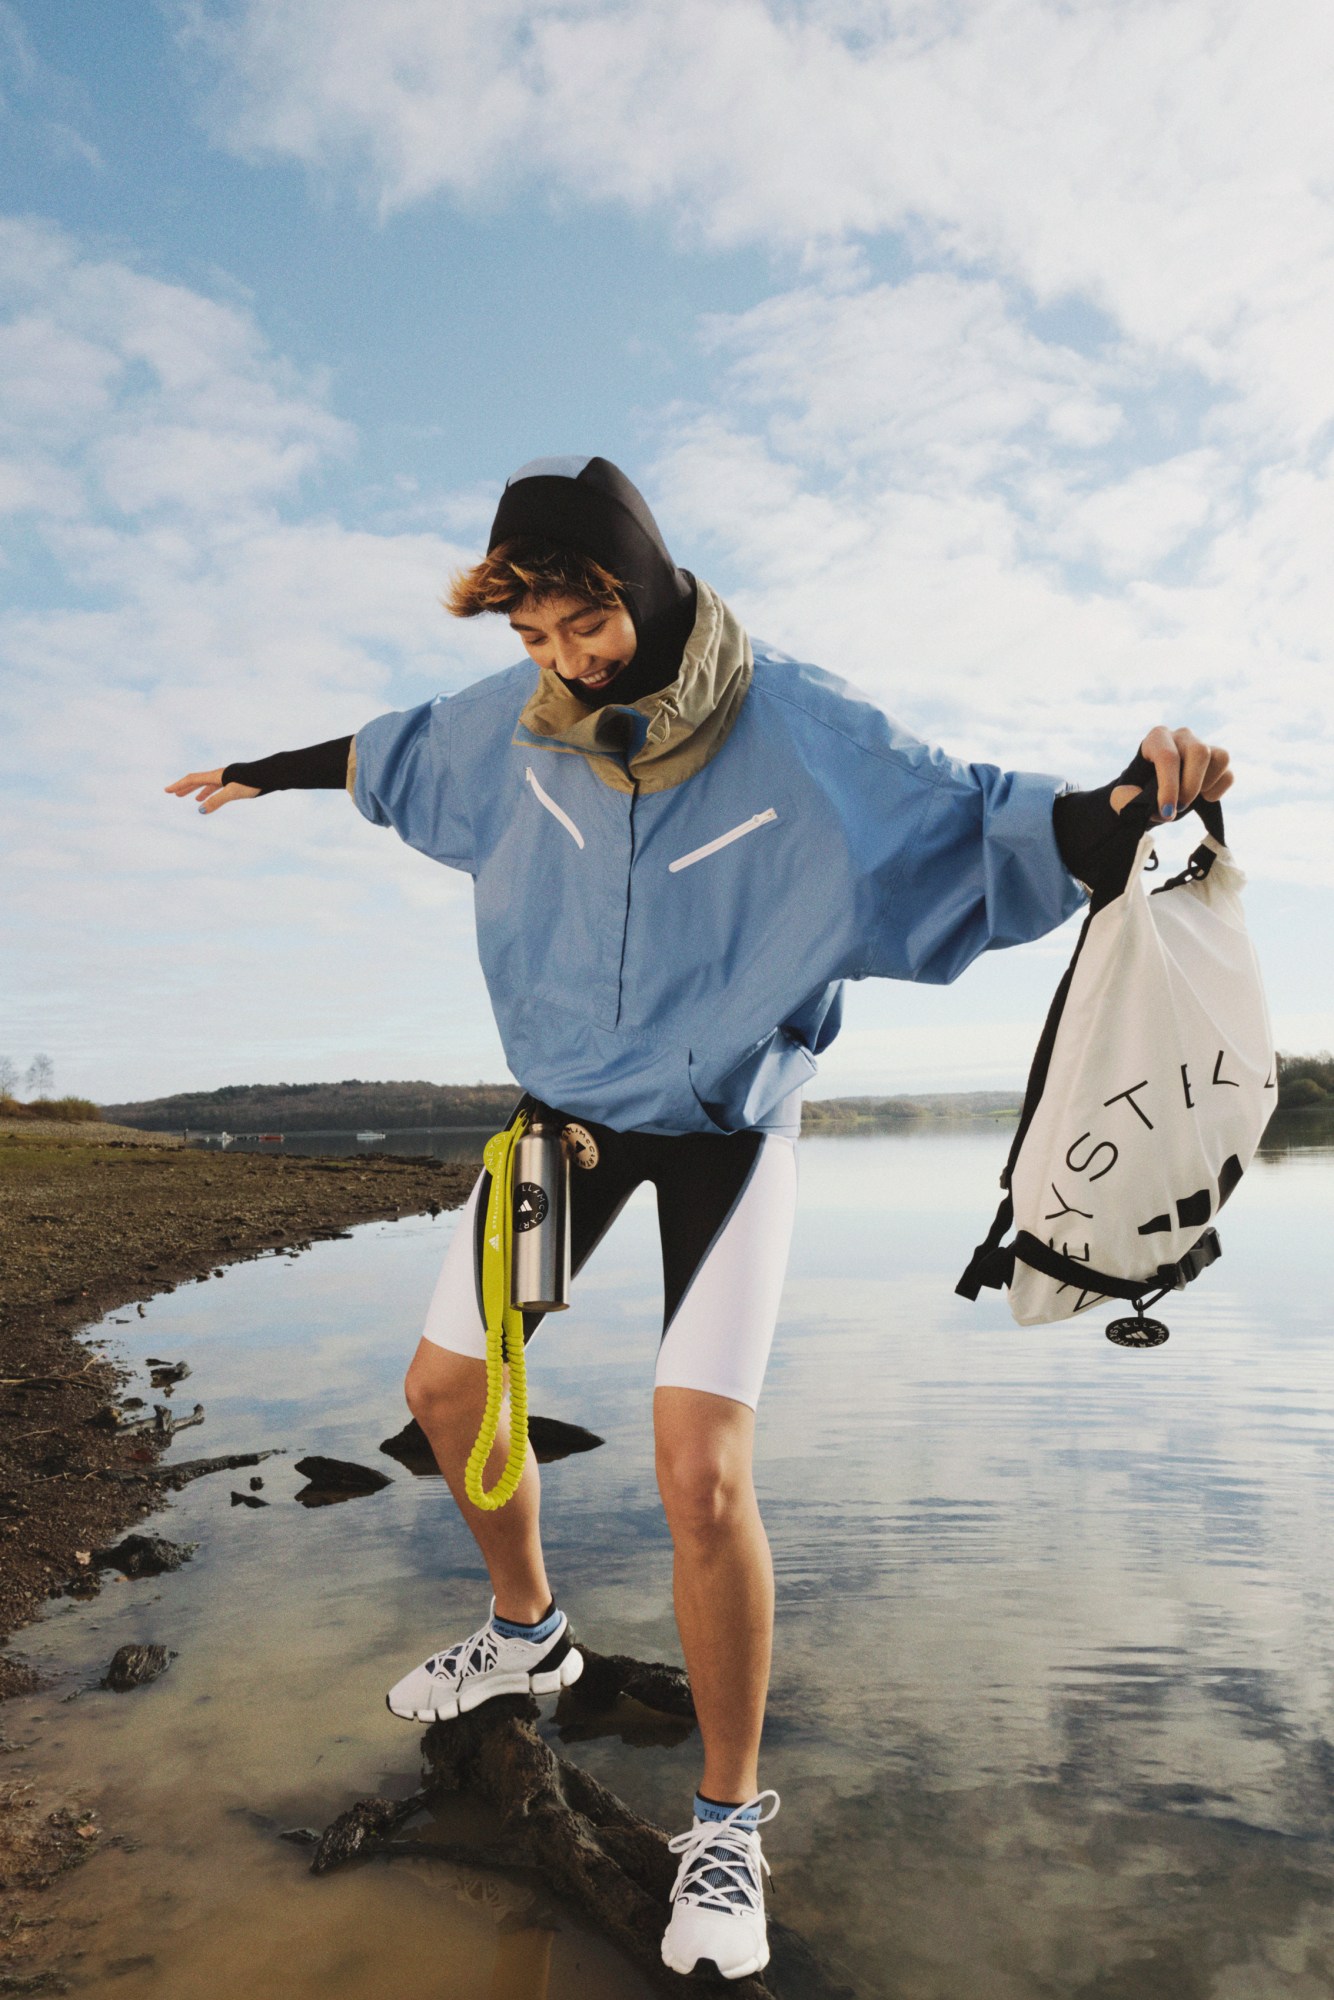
x: 688, y: 721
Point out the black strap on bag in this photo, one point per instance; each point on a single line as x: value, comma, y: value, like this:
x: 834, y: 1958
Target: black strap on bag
x: 992, y: 1263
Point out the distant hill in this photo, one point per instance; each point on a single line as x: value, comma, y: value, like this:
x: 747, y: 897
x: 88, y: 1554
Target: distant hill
x: 353, y: 1106
x: 830, y: 1113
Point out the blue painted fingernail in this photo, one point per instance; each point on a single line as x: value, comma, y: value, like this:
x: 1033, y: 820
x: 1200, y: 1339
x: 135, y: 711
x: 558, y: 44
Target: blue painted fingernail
x: 1169, y: 812
x: 201, y: 809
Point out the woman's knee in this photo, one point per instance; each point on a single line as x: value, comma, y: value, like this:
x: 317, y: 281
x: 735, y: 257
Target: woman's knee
x: 704, y: 1492
x: 443, y: 1388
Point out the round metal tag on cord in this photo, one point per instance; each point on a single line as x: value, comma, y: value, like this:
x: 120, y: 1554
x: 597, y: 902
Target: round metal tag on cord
x: 580, y: 1144
x: 1137, y: 1332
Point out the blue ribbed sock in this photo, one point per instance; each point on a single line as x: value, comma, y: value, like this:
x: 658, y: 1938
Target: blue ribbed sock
x: 716, y: 1809
x: 543, y: 1629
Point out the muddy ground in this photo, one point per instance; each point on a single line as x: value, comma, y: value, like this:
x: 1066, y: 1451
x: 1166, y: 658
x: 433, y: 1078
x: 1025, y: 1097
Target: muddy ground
x: 91, y: 1219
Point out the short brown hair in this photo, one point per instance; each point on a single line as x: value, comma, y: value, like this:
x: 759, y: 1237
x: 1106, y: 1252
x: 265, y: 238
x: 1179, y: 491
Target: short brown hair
x: 517, y: 570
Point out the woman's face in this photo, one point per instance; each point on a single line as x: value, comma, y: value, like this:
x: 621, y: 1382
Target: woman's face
x: 579, y: 641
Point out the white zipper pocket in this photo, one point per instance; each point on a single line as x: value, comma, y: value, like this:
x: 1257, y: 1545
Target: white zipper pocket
x: 723, y: 840
x: 556, y: 811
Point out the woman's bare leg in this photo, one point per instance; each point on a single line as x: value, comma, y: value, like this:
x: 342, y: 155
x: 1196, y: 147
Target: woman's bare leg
x: 446, y: 1393
x: 723, y: 1577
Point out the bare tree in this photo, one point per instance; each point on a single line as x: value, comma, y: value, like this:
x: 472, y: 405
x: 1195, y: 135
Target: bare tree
x: 9, y: 1076
x: 41, y: 1075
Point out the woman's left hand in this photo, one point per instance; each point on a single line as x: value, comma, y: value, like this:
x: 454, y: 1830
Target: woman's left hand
x: 1186, y: 770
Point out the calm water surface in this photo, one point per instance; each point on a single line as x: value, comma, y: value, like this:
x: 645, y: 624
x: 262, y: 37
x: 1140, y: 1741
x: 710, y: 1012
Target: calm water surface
x: 1052, y: 1697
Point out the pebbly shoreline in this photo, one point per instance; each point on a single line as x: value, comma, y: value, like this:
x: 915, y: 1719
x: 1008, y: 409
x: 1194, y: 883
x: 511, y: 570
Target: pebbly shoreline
x: 93, y: 1218
x: 89, y: 1227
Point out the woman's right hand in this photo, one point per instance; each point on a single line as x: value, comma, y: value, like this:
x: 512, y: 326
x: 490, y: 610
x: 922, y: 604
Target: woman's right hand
x: 212, y: 792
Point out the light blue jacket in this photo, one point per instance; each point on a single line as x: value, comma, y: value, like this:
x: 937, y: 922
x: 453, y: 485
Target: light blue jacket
x: 673, y: 961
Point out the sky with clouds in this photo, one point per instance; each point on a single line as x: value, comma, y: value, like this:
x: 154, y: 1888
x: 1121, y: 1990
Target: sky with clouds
x: 978, y: 350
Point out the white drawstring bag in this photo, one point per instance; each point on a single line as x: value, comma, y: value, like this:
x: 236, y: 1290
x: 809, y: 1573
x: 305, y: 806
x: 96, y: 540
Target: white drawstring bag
x: 1151, y: 1085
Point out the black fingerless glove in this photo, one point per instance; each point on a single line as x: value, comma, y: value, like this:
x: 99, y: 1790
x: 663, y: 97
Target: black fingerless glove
x: 323, y: 767
x: 1097, y: 843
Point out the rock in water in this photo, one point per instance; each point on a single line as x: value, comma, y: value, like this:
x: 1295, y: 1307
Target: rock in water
x: 135, y: 1666
x: 411, y: 1448
x: 551, y: 1438
x: 145, y: 1555
x: 336, y: 1479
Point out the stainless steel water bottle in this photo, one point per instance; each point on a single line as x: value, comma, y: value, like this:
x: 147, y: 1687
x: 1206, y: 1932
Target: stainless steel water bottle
x: 540, y: 1281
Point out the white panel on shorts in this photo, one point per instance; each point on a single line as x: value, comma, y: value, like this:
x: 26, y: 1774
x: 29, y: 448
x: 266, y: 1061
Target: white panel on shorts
x: 453, y: 1318
x: 720, y: 1338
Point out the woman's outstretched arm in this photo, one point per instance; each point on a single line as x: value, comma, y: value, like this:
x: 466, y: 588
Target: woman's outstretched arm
x: 321, y: 767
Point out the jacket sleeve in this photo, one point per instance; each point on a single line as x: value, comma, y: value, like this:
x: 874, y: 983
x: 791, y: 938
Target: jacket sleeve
x: 981, y: 870
x: 403, y: 778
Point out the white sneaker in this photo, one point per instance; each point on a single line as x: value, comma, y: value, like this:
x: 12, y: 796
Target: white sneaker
x: 484, y: 1665
x: 718, y: 1897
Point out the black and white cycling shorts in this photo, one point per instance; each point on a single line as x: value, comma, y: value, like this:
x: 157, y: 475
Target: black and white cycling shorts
x: 725, y: 1212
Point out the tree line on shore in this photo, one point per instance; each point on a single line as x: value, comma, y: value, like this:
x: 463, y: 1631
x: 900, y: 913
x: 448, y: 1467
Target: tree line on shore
x: 1304, y: 1082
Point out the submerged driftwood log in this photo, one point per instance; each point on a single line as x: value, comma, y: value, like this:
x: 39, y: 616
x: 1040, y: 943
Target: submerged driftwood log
x: 180, y: 1473
x: 557, y: 1820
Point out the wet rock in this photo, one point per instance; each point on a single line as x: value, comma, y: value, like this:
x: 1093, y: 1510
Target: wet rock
x: 135, y: 1666
x: 411, y: 1448
x: 607, y: 1676
x: 333, y: 1479
x: 161, y: 1373
x: 145, y: 1555
x: 362, y: 1829
x: 18, y: 1677
x: 551, y: 1439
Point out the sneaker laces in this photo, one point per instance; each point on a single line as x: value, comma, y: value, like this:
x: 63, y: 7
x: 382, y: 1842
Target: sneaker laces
x: 476, y: 1654
x: 718, y: 1857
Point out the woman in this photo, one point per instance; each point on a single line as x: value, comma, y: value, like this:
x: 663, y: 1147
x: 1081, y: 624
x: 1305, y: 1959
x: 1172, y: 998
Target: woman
x: 681, y: 846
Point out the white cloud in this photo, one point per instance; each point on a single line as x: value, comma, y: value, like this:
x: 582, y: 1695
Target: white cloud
x: 1166, y: 157
x: 1074, y: 467
x: 895, y: 493
x: 158, y: 397
x: 150, y: 434
x: 936, y: 379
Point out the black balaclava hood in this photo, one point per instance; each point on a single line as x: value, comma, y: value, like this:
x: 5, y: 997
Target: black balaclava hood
x: 588, y: 504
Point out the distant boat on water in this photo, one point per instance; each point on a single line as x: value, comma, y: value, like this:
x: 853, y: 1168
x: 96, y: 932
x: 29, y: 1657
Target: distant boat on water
x: 270, y: 1138
x: 364, y: 1138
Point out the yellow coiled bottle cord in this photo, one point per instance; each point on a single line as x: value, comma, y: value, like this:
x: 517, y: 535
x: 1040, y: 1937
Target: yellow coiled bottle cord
x: 504, y: 1329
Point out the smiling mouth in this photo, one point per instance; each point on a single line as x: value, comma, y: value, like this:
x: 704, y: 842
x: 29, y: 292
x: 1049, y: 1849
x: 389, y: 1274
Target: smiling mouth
x: 600, y: 678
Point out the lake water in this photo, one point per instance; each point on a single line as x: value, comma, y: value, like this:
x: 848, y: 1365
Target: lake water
x: 1051, y: 1713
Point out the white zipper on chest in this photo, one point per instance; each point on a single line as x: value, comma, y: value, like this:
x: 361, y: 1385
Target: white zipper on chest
x: 557, y: 812
x: 723, y: 840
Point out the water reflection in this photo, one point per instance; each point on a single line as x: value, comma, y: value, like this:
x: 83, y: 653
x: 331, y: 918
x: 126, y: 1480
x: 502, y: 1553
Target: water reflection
x: 1053, y: 1677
